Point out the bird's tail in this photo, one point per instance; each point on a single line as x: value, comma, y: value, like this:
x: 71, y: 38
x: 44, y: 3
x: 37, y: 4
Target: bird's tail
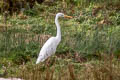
x: 40, y: 59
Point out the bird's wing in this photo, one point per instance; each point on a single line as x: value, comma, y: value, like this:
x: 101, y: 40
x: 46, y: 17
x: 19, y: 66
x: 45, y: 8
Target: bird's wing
x: 47, y: 50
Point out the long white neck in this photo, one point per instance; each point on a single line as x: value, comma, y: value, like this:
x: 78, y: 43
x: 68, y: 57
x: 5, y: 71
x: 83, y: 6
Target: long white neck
x: 58, y: 36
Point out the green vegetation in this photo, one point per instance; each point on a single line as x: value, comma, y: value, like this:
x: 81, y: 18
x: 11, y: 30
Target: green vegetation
x: 90, y: 46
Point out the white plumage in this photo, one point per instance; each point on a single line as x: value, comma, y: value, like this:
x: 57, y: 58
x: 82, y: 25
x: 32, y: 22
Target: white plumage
x: 49, y: 48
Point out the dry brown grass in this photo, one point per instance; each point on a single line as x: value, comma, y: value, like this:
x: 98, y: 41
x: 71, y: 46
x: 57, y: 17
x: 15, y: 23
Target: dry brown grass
x: 108, y: 68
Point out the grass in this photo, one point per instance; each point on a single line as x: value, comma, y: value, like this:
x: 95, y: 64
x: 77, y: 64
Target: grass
x: 107, y: 68
x: 84, y: 52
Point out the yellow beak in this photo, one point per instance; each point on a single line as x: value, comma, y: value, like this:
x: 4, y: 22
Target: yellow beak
x: 68, y: 16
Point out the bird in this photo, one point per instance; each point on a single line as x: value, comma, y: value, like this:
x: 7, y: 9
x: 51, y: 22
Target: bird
x: 49, y: 48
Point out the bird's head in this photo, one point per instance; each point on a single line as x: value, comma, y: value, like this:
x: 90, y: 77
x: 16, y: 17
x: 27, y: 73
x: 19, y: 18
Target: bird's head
x: 62, y: 15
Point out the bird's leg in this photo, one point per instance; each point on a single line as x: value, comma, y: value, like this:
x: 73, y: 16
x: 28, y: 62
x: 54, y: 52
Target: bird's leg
x: 50, y: 61
x: 47, y: 61
x: 55, y: 58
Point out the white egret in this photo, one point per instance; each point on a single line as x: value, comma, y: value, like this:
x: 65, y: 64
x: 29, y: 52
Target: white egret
x: 49, y: 48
